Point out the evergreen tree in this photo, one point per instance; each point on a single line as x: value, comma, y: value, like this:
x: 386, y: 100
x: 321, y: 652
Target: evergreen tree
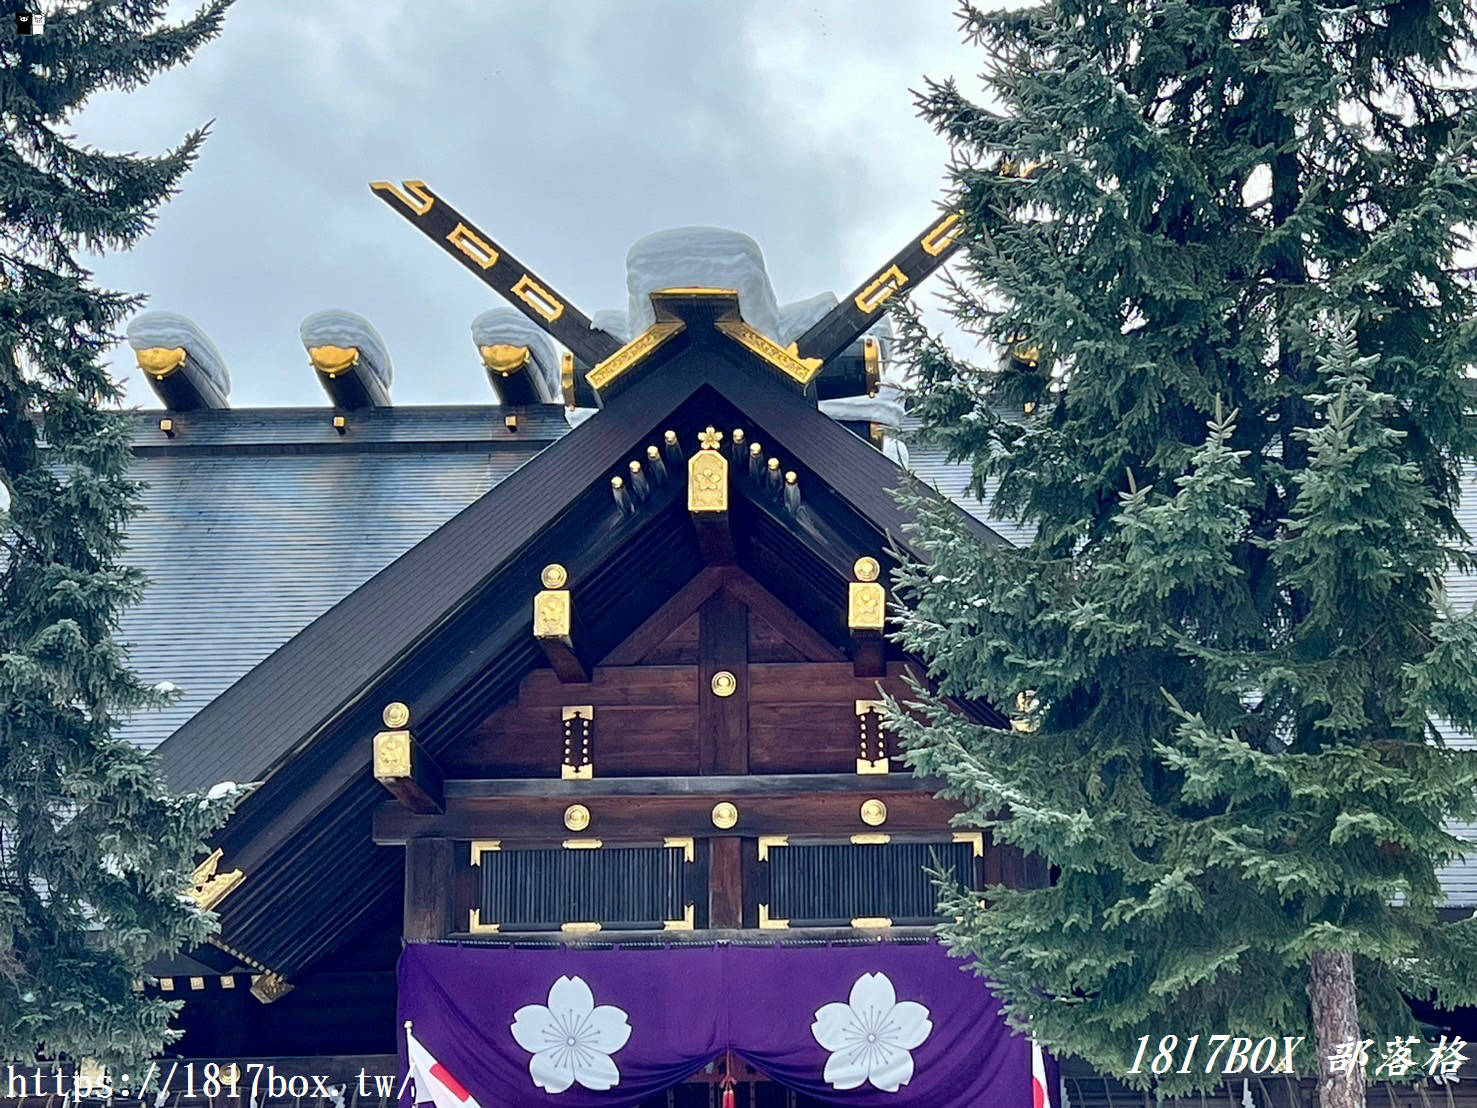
x: 96, y: 855
x: 1224, y: 649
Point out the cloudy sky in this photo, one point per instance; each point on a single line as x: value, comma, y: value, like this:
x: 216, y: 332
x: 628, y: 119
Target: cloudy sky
x: 566, y: 130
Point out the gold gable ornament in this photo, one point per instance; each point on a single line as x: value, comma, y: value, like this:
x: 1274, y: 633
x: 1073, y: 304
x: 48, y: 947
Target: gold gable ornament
x: 553, y: 614
x: 866, y: 608
x: 270, y: 986
x: 211, y: 886
x: 707, y: 475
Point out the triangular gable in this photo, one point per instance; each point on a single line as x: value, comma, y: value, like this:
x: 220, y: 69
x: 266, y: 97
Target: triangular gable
x: 445, y: 628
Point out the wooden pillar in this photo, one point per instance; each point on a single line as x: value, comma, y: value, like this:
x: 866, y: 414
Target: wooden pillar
x: 429, y: 880
x: 723, y: 690
x: 726, y: 883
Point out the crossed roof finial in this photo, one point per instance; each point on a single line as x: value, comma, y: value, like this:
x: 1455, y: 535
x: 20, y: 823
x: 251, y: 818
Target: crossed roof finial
x: 535, y: 298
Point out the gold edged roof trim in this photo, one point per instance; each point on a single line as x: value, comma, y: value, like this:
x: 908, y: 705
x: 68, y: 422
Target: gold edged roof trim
x: 634, y: 352
x: 800, y: 370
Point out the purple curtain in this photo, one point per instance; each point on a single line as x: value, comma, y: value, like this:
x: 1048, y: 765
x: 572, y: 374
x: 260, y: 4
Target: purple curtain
x: 879, y: 1024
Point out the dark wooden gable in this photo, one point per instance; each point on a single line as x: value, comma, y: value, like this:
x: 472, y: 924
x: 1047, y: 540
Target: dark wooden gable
x: 646, y: 696
x: 446, y: 630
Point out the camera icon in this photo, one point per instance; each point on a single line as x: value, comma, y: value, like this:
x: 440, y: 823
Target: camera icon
x: 29, y: 23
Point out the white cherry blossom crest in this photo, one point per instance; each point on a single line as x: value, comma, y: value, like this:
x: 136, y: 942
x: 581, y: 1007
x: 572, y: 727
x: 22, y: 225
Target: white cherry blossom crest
x: 870, y: 1037
x: 571, y: 1040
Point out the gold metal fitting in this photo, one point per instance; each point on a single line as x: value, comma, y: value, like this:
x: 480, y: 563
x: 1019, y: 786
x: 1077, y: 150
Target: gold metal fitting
x: 160, y: 361
x: 725, y: 815
x: 942, y: 235
x: 707, y: 478
x: 540, y: 299
x: 724, y: 683
x: 505, y: 358
x: 791, y: 477
x: 332, y: 360
x: 709, y: 439
x: 554, y: 576
x: 167, y: 426
x: 210, y: 885
x: 566, y: 379
x: 416, y: 197
x: 392, y: 755
x: 483, y: 254
x: 867, y: 569
x: 768, y: 922
x: 872, y: 364
x: 773, y: 465
x: 576, y: 817
x: 268, y: 987
x: 686, y: 923
x: 883, y: 286
x: 396, y: 714
x: 874, y: 812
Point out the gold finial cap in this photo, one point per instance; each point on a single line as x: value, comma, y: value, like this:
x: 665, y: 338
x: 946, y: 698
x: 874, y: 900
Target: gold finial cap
x: 867, y: 569
x: 635, y: 466
x: 669, y: 437
x: 504, y: 358
x: 725, y: 815
x: 738, y: 435
x: 617, y: 483
x: 755, y: 449
x: 160, y: 361
x: 333, y: 360
x: 710, y: 439
x: 396, y: 714
x: 554, y: 576
x: 652, y: 453
x: 773, y: 465
x: 791, y: 477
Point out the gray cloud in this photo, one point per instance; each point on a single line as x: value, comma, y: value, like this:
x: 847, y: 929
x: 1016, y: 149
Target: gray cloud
x: 567, y: 130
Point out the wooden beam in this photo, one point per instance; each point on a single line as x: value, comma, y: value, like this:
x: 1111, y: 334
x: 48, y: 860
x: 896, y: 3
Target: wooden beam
x: 723, y: 686
x: 411, y: 775
x: 739, y: 586
x: 555, y: 626
x: 817, y: 682
x: 670, y: 616
x: 866, y: 612
x: 430, y: 870
x: 632, y: 818
x: 716, y: 786
x: 708, y: 496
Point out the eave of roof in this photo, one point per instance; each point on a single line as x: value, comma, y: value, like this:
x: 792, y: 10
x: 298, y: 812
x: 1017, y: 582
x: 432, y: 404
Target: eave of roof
x: 449, y: 622
x: 312, y: 678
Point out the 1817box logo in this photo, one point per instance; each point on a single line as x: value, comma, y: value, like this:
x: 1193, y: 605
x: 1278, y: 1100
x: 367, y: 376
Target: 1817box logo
x: 29, y: 23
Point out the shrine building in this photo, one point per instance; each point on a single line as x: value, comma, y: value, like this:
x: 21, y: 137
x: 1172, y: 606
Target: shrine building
x: 561, y: 711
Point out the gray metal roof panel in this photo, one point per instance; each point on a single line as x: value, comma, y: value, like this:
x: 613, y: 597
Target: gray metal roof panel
x: 951, y: 479
x: 244, y: 549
